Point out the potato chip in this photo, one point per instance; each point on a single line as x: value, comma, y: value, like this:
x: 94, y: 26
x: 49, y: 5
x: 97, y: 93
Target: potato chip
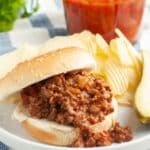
x: 136, y: 57
x: 116, y: 77
x: 133, y: 79
x: 88, y: 39
x: 100, y: 64
x: 123, y: 81
x: 126, y: 99
x: 103, y: 47
x: 118, y: 48
x: 138, y: 64
x: 129, y: 45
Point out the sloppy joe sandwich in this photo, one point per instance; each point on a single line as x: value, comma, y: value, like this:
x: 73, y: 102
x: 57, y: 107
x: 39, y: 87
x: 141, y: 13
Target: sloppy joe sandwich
x: 62, y: 102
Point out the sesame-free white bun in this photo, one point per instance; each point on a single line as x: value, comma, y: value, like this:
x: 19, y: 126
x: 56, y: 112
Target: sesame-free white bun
x: 44, y: 66
x: 56, y: 134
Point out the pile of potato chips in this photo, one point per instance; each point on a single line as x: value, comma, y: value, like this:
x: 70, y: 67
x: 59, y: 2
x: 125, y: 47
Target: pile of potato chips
x: 119, y: 63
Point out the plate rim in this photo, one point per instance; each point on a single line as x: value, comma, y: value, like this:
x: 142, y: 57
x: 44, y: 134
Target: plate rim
x: 14, y: 137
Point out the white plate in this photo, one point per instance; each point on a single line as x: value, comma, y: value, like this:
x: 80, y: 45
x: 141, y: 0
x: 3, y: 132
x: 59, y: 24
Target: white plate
x: 14, y: 135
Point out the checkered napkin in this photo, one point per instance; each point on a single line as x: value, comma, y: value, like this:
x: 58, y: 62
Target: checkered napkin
x: 47, y: 22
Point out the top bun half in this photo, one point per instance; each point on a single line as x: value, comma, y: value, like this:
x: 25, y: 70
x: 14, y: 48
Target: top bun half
x: 42, y: 67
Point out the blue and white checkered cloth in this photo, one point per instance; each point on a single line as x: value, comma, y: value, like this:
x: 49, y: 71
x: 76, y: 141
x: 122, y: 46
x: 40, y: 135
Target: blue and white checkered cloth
x: 47, y: 22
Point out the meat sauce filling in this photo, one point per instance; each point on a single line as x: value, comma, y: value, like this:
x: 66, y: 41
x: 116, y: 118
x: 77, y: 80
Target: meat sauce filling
x: 78, y: 99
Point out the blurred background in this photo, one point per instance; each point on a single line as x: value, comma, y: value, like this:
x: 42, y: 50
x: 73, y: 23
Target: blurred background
x: 35, y: 21
x: 21, y: 20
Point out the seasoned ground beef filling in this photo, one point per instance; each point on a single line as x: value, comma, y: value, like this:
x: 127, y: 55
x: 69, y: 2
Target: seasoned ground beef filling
x: 78, y: 99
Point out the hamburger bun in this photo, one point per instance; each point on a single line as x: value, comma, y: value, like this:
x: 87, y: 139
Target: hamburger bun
x: 33, y: 70
x: 56, y: 134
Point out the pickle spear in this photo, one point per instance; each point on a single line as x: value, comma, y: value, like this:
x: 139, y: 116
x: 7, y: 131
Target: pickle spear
x: 142, y: 96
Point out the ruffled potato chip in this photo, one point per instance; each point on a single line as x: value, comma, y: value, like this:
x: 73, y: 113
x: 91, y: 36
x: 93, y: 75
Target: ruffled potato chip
x: 137, y: 63
x: 133, y: 79
x: 129, y: 45
x: 103, y: 47
x: 122, y: 80
x: 116, y: 77
x: 126, y: 99
x: 136, y: 56
x: 100, y: 61
x: 119, y: 49
x: 89, y: 40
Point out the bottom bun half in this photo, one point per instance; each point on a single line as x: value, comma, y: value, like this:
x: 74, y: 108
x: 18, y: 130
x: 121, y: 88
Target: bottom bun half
x: 56, y: 134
